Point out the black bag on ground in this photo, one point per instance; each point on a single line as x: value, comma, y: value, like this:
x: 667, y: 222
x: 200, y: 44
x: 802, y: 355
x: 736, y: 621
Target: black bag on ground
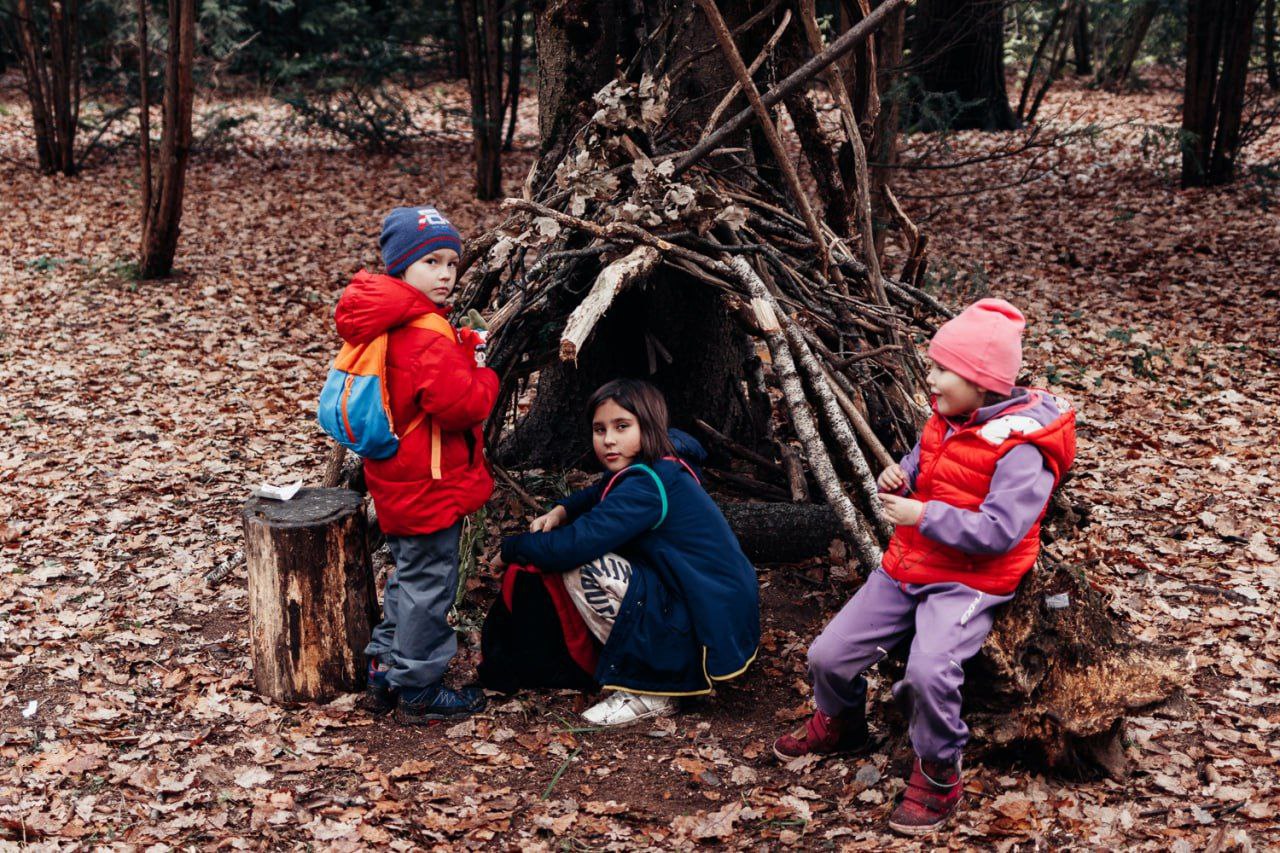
x: 524, y: 646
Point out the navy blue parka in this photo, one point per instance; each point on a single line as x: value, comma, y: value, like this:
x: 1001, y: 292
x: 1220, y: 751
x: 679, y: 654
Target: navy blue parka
x: 691, y: 615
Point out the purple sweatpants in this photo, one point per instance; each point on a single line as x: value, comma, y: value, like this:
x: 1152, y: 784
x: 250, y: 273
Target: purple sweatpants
x: 951, y: 622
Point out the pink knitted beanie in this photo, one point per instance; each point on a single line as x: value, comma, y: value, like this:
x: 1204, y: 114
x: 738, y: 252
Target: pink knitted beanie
x: 983, y: 344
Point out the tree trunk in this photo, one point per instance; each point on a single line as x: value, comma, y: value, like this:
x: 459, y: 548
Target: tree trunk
x: 958, y: 46
x: 1126, y: 44
x: 482, y: 37
x: 1082, y: 43
x: 312, y: 604
x: 882, y: 154
x: 1218, y: 40
x: 671, y: 332
x: 1047, y: 62
x: 47, y: 42
x: 1269, y: 45
x: 162, y: 217
x: 516, y: 54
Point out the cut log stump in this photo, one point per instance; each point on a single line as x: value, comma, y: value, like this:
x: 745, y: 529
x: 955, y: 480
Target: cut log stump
x: 312, y: 602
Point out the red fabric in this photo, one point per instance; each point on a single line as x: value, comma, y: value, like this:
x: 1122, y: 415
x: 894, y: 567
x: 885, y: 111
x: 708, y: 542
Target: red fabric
x: 425, y: 372
x: 577, y: 637
x: 958, y: 470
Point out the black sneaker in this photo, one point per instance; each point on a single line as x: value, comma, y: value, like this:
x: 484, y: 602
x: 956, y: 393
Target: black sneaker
x: 438, y: 702
x: 379, y: 695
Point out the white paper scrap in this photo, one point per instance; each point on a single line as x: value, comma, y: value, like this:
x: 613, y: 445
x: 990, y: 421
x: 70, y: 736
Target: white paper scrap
x: 277, y: 493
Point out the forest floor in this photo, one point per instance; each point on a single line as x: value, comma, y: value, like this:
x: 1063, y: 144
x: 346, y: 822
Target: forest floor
x: 137, y: 415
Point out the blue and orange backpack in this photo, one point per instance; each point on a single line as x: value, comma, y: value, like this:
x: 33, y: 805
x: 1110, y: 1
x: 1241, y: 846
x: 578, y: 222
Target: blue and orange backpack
x: 355, y: 406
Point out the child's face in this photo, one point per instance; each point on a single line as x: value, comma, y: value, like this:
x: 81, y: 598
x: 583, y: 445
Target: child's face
x: 434, y: 275
x: 615, y: 436
x: 953, y: 394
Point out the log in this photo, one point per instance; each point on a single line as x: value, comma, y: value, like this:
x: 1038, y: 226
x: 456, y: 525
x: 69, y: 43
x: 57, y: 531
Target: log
x: 781, y: 532
x: 312, y: 603
x: 1058, y: 675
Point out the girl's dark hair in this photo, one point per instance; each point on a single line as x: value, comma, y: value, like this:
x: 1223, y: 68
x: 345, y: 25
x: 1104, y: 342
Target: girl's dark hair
x: 648, y: 405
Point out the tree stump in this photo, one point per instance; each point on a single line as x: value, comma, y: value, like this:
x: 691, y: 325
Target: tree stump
x: 312, y: 602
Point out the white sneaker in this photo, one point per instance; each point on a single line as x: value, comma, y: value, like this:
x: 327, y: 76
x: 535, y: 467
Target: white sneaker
x: 622, y: 709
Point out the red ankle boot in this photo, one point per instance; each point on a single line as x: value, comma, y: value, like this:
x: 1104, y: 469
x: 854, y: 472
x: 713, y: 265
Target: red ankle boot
x: 932, y: 797
x: 825, y: 736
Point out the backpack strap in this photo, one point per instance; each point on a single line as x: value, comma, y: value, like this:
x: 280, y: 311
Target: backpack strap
x: 657, y: 481
x: 436, y: 323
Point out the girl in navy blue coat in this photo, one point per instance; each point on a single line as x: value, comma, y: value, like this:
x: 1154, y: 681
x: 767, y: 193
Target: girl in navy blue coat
x: 649, y: 562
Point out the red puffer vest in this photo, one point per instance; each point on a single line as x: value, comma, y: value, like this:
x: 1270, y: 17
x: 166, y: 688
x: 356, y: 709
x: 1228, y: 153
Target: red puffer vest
x: 957, y: 470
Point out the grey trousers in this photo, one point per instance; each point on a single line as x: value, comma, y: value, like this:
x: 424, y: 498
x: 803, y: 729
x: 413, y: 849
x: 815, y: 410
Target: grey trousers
x: 414, y: 636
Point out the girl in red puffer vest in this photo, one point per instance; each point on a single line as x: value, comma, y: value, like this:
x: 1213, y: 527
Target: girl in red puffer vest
x: 438, y: 475
x: 967, y: 502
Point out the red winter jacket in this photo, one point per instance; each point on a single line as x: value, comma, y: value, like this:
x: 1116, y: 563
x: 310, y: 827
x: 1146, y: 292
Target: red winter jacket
x: 957, y: 469
x: 425, y: 372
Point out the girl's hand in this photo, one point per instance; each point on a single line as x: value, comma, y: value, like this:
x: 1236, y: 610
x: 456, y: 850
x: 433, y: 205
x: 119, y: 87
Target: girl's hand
x: 549, y: 521
x: 902, y: 512
x: 892, y: 479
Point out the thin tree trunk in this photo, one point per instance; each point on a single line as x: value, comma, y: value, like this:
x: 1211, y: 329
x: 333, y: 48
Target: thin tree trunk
x: 514, y: 71
x: 1126, y: 44
x: 882, y: 154
x: 493, y: 93
x: 1060, y: 31
x: 160, y: 239
x: 144, y: 114
x: 1083, y: 43
x: 1269, y: 44
x: 51, y: 77
x: 482, y: 40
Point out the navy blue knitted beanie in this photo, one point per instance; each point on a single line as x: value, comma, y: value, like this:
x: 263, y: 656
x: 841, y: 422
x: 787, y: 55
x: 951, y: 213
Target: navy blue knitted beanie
x: 408, y: 233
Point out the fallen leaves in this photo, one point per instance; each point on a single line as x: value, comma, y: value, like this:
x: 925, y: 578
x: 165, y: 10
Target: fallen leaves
x: 137, y: 413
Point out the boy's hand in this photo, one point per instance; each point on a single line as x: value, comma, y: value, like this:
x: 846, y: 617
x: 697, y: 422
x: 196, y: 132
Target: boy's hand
x: 892, y: 479
x: 902, y: 512
x: 549, y: 521
x: 473, y: 320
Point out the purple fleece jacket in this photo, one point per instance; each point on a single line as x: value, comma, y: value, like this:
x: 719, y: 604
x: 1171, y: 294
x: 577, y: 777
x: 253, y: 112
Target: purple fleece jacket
x: 1020, y: 488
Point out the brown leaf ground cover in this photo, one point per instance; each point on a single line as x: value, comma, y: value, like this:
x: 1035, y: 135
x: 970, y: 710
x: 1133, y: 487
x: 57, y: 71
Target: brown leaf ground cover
x: 136, y: 415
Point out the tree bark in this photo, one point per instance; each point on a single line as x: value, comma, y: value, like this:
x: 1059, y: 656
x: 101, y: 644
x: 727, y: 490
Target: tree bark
x: 1269, y: 46
x: 882, y: 151
x: 162, y: 218
x: 781, y: 532
x: 50, y: 62
x: 959, y: 48
x: 516, y: 54
x: 670, y: 317
x: 1082, y: 43
x: 312, y: 604
x: 1126, y: 44
x: 577, y: 45
x: 1060, y: 32
x: 1218, y: 41
x: 482, y: 39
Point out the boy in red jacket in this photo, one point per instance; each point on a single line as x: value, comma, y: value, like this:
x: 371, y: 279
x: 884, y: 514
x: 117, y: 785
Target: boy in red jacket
x: 967, y: 503
x: 438, y: 475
